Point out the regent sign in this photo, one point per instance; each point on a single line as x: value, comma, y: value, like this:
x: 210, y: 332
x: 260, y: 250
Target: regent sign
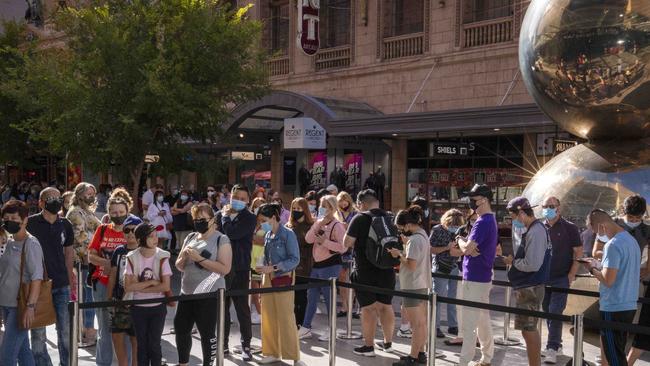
x: 303, y: 133
x: 308, y: 37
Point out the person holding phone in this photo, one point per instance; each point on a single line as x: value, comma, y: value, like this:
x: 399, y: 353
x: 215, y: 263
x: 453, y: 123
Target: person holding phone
x: 160, y: 216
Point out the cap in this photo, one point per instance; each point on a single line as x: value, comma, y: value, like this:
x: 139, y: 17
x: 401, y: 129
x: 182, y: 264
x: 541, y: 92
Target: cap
x: 480, y: 190
x: 332, y: 188
x: 132, y: 220
x: 519, y: 203
x: 143, y: 230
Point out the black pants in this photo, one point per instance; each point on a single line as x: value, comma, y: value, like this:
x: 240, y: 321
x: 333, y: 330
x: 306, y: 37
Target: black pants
x: 149, y: 323
x: 204, y: 314
x: 300, y: 302
x: 613, y: 340
x: 239, y: 280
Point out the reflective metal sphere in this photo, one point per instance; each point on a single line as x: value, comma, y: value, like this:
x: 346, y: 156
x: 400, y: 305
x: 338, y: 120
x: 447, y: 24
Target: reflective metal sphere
x: 585, y: 63
x: 599, y: 175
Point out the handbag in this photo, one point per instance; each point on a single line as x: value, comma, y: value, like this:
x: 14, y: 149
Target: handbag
x: 44, y: 313
x: 282, y: 281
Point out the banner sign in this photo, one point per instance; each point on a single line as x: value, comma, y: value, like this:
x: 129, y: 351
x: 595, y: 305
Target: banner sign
x: 318, y: 169
x: 303, y: 133
x: 468, y: 177
x: 242, y: 155
x: 352, y: 166
x: 308, y: 18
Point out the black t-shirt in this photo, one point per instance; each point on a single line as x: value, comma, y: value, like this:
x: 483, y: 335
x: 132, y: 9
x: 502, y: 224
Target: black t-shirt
x: 53, y: 239
x: 359, y: 229
x: 118, y: 259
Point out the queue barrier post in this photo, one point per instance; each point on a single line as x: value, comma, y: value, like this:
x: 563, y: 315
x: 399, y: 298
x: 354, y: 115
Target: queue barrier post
x: 221, y: 323
x: 431, y: 314
x: 506, y: 340
x: 73, y: 312
x: 332, y: 320
x: 348, y: 333
x: 578, y: 335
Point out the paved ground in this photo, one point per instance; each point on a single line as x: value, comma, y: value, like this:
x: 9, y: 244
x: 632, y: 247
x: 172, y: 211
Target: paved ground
x: 316, y: 353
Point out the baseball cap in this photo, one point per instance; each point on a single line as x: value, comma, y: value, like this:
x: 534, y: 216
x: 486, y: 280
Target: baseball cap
x: 480, y: 190
x: 519, y: 203
x: 332, y: 188
x: 132, y: 220
x: 143, y: 230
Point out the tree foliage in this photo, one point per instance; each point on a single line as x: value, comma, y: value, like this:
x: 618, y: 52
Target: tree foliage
x: 142, y: 77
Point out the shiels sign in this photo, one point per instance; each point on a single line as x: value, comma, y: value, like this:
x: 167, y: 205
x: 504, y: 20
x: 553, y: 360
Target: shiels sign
x: 308, y: 37
x: 303, y: 133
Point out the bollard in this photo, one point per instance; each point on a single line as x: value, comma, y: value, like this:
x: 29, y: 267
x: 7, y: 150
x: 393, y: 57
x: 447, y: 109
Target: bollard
x: 221, y: 323
x: 73, y: 312
x: 348, y: 333
x: 332, y: 319
x: 578, y: 334
x: 507, y: 340
x: 431, y: 320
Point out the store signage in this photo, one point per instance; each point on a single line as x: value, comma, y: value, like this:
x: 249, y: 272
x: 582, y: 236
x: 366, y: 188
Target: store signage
x: 564, y: 145
x: 447, y: 149
x: 303, y: 133
x: 242, y: 155
x: 317, y: 166
x: 308, y: 18
x: 151, y: 159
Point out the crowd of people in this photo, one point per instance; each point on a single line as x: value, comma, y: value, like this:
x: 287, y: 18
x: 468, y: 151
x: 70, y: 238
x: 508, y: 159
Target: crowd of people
x: 236, y: 239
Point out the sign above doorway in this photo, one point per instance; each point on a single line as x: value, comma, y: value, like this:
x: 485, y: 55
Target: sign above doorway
x: 303, y: 133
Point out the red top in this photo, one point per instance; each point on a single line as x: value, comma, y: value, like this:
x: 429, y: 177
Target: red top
x: 105, y: 246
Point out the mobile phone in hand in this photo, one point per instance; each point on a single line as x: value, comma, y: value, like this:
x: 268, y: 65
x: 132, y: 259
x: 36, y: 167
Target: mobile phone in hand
x: 584, y: 260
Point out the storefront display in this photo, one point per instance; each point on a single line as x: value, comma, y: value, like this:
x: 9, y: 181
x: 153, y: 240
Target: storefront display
x: 352, y: 165
x: 318, y: 169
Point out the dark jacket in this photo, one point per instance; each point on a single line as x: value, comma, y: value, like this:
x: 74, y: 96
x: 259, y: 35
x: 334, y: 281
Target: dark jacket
x: 240, y: 231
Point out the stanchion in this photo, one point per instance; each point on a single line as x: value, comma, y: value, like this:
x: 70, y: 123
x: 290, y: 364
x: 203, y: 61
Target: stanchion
x: 348, y: 333
x: 73, y: 312
x: 431, y: 314
x: 221, y: 324
x: 507, y: 340
x: 332, y: 319
x: 578, y: 334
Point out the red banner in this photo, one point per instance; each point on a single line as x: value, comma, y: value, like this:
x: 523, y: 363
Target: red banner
x: 308, y: 19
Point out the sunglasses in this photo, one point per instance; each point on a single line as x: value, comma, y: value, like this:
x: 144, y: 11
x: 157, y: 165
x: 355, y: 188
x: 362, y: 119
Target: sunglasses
x: 128, y: 230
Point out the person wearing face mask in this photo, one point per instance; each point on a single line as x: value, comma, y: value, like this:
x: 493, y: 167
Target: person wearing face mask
x: 148, y: 197
x: 147, y: 276
x: 66, y: 200
x: 238, y: 223
x: 181, y: 216
x: 56, y: 238
x: 529, y: 271
x: 326, y: 236
x: 256, y: 253
x: 84, y: 224
x: 426, y: 219
x: 15, y: 342
x: 414, y: 276
x: 107, y: 238
x: 442, y: 240
x: 346, y: 212
x: 567, y: 246
x: 160, y: 216
x: 312, y: 202
x: 618, y: 274
x: 284, y: 214
x: 300, y: 222
x: 206, y: 258
x: 281, y: 257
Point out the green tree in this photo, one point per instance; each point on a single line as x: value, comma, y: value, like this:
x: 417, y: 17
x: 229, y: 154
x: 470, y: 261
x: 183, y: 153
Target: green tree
x: 143, y: 77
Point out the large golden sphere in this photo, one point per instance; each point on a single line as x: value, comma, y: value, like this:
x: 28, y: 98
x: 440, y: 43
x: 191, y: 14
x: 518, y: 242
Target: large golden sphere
x: 585, y: 63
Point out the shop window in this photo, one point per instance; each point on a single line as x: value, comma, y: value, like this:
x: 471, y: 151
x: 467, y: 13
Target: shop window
x: 480, y: 10
x: 334, y: 23
x: 403, y: 17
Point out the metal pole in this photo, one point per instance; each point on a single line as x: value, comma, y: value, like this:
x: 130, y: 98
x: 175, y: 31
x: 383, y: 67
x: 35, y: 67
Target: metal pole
x: 507, y: 340
x: 348, y: 333
x: 332, y: 319
x: 80, y: 297
x: 221, y: 325
x: 578, y: 333
x: 431, y: 314
x: 73, y: 312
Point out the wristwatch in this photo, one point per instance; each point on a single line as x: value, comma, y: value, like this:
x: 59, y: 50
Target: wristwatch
x: 31, y: 306
x: 275, y: 268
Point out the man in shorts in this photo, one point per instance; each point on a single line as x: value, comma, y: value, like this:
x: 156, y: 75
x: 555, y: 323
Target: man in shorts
x: 529, y: 271
x: 365, y: 273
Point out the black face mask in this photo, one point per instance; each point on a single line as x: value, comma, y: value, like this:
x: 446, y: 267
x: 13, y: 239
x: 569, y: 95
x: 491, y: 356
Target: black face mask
x: 297, y: 215
x: 472, y: 204
x: 89, y: 201
x: 118, y: 220
x: 12, y: 227
x: 406, y: 232
x: 202, y: 226
x: 53, y: 206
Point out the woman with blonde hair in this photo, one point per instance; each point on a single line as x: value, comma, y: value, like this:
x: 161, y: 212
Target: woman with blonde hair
x: 256, y: 254
x: 300, y: 222
x: 347, y: 210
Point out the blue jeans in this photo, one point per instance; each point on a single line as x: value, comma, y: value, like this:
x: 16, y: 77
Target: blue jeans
x: 447, y: 288
x: 60, y: 298
x: 313, y: 294
x: 104, y: 350
x: 89, y: 314
x: 15, y: 342
x: 555, y: 303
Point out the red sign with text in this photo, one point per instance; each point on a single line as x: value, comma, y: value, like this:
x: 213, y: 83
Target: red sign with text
x: 308, y: 19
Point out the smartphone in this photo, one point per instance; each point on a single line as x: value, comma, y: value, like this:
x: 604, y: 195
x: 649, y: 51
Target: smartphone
x: 584, y: 260
x: 321, y: 232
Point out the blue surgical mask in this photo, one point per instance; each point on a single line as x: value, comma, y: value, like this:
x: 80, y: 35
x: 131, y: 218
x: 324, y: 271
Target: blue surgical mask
x: 160, y: 199
x: 632, y: 225
x: 452, y: 229
x: 184, y: 197
x: 312, y: 208
x: 518, y: 224
x: 426, y: 213
x: 238, y: 205
x: 322, y: 212
x: 266, y: 227
x: 603, y: 238
x: 549, y: 213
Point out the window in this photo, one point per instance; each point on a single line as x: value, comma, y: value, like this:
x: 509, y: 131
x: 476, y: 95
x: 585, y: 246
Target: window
x: 479, y: 10
x: 403, y: 17
x: 334, y: 23
x: 276, y: 32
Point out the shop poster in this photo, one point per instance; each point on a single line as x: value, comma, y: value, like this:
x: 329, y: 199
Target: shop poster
x: 352, y: 164
x: 318, y: 169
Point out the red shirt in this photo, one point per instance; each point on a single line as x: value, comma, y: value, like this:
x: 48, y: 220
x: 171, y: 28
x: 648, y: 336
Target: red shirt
x: 105, y: 246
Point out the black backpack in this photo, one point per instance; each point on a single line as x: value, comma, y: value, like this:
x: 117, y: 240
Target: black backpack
x: 381, y: 237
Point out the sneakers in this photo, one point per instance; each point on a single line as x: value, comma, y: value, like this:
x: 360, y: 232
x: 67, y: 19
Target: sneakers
x: 385, y: 346
x: 268, y: 359
x: 246, y: 354
x: 452, y: 330
x: 226, y: 351
x: 304, y: 333
x: 422, y: 358
x: 550, y: 356
x: 356, y: 315
x: 325, y: 337
x: 299, y: 363
x: 405, y: 333
x: 342, y: 314
x: 256, y: 319
x: 406, y: 361
x: 439, y: 333
x: 368, y: 351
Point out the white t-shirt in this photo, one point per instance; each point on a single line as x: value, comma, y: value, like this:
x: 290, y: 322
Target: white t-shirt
x: 147, y: 274
x: 418, y: 249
